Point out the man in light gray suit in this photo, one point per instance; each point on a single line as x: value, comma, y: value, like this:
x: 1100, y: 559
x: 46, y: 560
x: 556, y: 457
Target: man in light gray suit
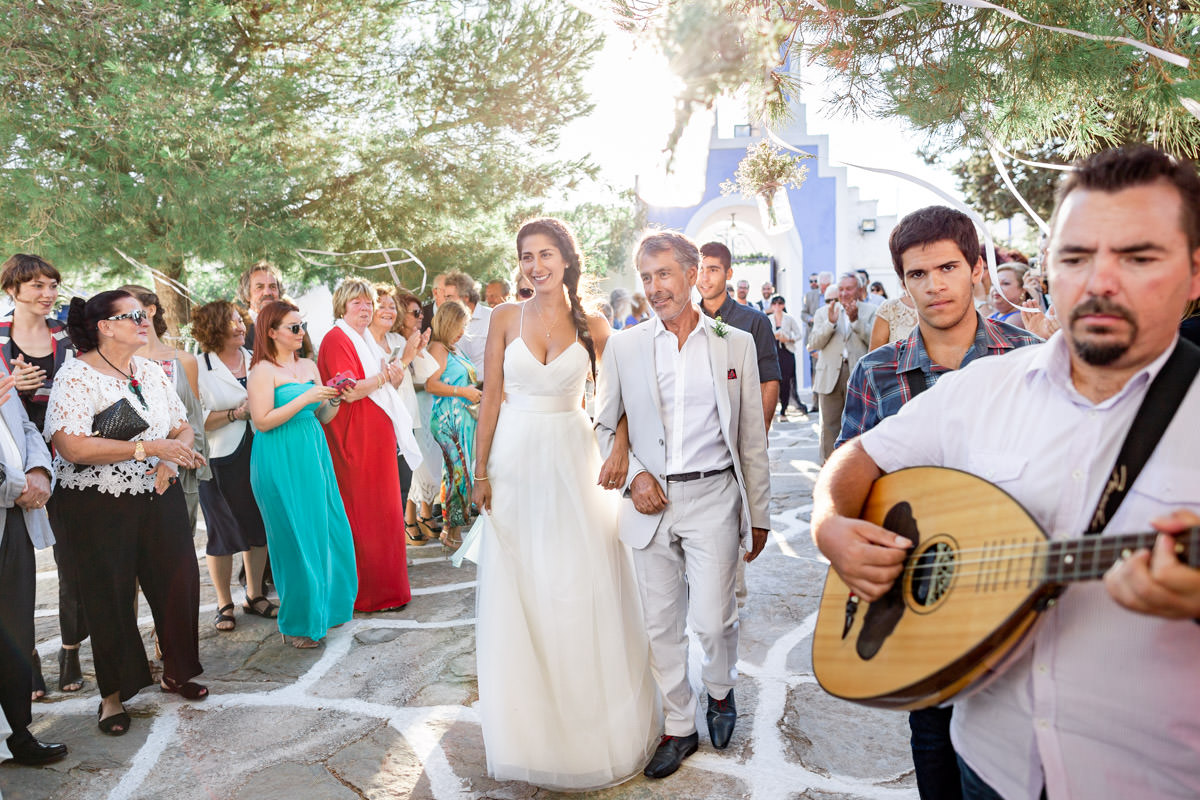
x: 25, y: 484
x: 841, y: 335
x: 698, y: 481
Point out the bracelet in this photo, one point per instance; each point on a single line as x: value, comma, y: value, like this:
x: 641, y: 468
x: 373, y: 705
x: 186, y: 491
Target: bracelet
x: 229, y: 415
x: 480, y: 477
x: 335, y: 401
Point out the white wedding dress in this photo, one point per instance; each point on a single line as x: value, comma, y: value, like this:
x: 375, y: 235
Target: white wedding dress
x: 566, y: 697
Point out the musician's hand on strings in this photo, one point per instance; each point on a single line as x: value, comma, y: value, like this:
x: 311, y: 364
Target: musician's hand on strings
x: 1155, y: 581
x: 867, y: 557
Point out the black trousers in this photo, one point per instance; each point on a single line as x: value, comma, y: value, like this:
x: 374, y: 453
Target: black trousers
x: 17, y: 582
x: 115, y: 540
x: 71, y: 622
x: 787, y: 372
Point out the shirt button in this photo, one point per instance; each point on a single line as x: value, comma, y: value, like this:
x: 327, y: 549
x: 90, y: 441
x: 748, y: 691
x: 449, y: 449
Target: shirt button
x: 1076, y: 474
x: 1043, y: 724
x: 660, y: 441
x: 1042, y: 668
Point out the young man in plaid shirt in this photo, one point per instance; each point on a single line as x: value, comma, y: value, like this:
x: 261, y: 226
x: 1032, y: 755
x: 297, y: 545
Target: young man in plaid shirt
x: 935, y: 254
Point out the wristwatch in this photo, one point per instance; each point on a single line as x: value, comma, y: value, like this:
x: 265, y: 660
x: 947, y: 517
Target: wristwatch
x: 139, y: 451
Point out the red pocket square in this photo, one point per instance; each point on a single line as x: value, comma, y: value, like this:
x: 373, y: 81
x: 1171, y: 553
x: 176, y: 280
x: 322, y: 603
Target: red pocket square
x: 732, y: 375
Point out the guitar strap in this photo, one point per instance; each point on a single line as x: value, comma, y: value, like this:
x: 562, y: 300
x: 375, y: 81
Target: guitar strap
x: 1155, y: 413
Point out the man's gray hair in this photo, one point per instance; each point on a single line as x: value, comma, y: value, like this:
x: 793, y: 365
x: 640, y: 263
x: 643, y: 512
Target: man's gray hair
x: 826, y: 276
x: 686, y: 254
x: 852, y: 275
x: 463, y: 282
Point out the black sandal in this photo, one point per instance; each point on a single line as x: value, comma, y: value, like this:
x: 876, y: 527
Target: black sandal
x: 69, y: 673
x: 251, y: 607
x: 415, y: 540
x: 426, y: 526
x: 39, y: 681
x: 222, y: 618
x: 116, y: 725
x: 187, y: 690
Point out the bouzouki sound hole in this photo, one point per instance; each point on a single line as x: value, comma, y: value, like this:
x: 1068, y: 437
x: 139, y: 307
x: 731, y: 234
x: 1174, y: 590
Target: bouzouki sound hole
x: 931, y: 575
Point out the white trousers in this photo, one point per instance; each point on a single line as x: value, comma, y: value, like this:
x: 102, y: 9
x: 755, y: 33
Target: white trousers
x: 686, y: 578
x: 424, y: 488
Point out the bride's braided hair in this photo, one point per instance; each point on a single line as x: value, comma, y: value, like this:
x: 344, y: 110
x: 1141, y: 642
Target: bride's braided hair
x: 564, y: 240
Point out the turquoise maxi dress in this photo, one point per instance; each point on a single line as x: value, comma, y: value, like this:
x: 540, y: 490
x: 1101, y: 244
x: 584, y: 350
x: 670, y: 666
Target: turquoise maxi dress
x: 453, y: 429
x: 308, y: 535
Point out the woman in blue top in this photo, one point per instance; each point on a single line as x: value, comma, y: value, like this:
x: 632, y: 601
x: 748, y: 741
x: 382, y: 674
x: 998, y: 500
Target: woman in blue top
x: 452, y: 425
x: 312, y: 550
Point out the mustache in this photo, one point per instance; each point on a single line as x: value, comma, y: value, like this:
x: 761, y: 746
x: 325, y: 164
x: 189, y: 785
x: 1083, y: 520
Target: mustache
x: 1101, y: 305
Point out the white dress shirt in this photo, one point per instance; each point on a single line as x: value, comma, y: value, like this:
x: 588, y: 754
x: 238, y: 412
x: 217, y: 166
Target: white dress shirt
x: 688, y: 392
x: 1100, y: 702
x: 474, y: 341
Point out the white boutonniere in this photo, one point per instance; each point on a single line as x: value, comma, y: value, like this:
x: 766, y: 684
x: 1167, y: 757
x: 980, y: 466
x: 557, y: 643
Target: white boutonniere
x: 720, y: 328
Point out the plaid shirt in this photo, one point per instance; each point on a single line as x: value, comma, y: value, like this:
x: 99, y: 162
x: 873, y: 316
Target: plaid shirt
x: 875, y: 390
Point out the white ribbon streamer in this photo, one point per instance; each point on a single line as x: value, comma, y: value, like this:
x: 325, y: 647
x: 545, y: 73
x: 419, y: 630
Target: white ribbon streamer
x: 989, y: 243
x: 1042, y: 164
x: 1004, y: 176
x: 172, y: 284
x: 1157, y: 52
x: 387, y: 264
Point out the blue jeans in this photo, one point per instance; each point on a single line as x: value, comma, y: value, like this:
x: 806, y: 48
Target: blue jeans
x: 933, y: 754
x: 974, y: 788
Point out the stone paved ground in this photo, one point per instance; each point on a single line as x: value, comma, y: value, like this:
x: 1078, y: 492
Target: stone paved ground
x: 385, y: 709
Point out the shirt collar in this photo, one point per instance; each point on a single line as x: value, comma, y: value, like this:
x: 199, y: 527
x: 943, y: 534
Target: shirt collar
x: 1052, y: 362
x: 723, y: 311
x: 913, y: 354
x: 701, y: 325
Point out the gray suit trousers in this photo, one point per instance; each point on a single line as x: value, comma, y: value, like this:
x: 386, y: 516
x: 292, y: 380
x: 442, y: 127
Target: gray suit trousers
x: 686, y: 575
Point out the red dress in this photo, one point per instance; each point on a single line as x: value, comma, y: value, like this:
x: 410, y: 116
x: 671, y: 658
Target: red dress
x: 363, y: 445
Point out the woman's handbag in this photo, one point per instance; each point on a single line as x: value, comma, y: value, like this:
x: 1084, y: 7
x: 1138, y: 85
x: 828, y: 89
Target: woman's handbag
x: 119, y: 421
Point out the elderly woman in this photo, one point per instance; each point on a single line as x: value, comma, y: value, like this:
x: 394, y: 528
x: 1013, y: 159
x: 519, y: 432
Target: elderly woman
x: 121, y: 435
x: 230, y: 513
x: 363, y: 441
x: 181, y: 370
x: 1009, y: 295
x: 34, y: 346
x: 452, y: 424
x: 396, y: 327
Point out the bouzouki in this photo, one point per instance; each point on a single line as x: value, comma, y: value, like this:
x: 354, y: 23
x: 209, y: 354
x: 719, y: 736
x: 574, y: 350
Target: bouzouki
x: 980, y: 572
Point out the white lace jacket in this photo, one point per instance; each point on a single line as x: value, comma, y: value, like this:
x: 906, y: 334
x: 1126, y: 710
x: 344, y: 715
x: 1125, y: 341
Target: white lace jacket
x: 80, y: 393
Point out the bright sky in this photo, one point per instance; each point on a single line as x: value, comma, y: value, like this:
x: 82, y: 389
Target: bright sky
x: 634, y: 92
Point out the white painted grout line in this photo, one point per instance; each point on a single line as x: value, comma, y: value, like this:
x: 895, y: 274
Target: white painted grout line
x: 162, y: 731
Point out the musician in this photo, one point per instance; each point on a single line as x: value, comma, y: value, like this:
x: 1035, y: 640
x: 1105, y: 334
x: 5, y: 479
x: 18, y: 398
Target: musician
x: 1101, y: 701
x: 929, y: 253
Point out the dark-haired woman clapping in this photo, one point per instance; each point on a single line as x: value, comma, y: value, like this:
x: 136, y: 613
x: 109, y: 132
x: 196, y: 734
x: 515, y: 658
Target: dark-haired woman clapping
x: 122, y: 511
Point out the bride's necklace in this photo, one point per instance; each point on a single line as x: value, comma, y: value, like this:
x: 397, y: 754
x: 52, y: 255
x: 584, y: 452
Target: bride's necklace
x: 542, y: 317
x: 134, y: 385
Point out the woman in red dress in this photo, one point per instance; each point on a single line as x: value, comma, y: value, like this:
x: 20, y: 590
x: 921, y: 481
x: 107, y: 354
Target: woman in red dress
x: 363, y: 440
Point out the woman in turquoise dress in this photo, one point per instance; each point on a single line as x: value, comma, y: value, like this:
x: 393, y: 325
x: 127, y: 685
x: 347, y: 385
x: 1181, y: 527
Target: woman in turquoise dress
x: 452, y: 425
x: 291, y: 472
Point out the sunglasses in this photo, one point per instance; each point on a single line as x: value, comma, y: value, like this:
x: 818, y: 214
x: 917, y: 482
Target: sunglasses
x: 293, y: 328
x: 416, y: 312
x: 524, y: 293
x: 138, y: 317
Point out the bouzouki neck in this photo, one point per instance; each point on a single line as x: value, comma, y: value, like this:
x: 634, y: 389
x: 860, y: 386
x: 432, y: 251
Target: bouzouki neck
x: 1089, y: 557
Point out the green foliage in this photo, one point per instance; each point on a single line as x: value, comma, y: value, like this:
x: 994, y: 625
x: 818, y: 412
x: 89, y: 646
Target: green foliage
x: 960, y: 73
x: 207, y: 134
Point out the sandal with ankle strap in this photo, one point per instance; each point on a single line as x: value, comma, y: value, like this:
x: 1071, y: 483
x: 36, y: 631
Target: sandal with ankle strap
x: 187, y: 690
x: 69, y: 672
x: 419, y: 538
x: 426, y: 526
x: 223, y: 618
x: 251, y: 606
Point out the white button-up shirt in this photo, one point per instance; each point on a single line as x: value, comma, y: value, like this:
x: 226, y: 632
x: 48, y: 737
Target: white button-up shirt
x: 1101, y: 702
x: 688, y: 392
x: 474, y: 341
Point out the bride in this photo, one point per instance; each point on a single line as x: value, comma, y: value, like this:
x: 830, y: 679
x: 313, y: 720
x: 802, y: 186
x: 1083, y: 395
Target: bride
x: 566, y: 697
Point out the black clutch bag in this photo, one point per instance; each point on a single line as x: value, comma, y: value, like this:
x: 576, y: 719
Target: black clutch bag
x: 118, y: 421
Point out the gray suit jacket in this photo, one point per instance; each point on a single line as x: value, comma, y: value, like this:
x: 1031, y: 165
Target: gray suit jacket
x: 629, y: 385
x: 34, y: 453
x: 828, y: 342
